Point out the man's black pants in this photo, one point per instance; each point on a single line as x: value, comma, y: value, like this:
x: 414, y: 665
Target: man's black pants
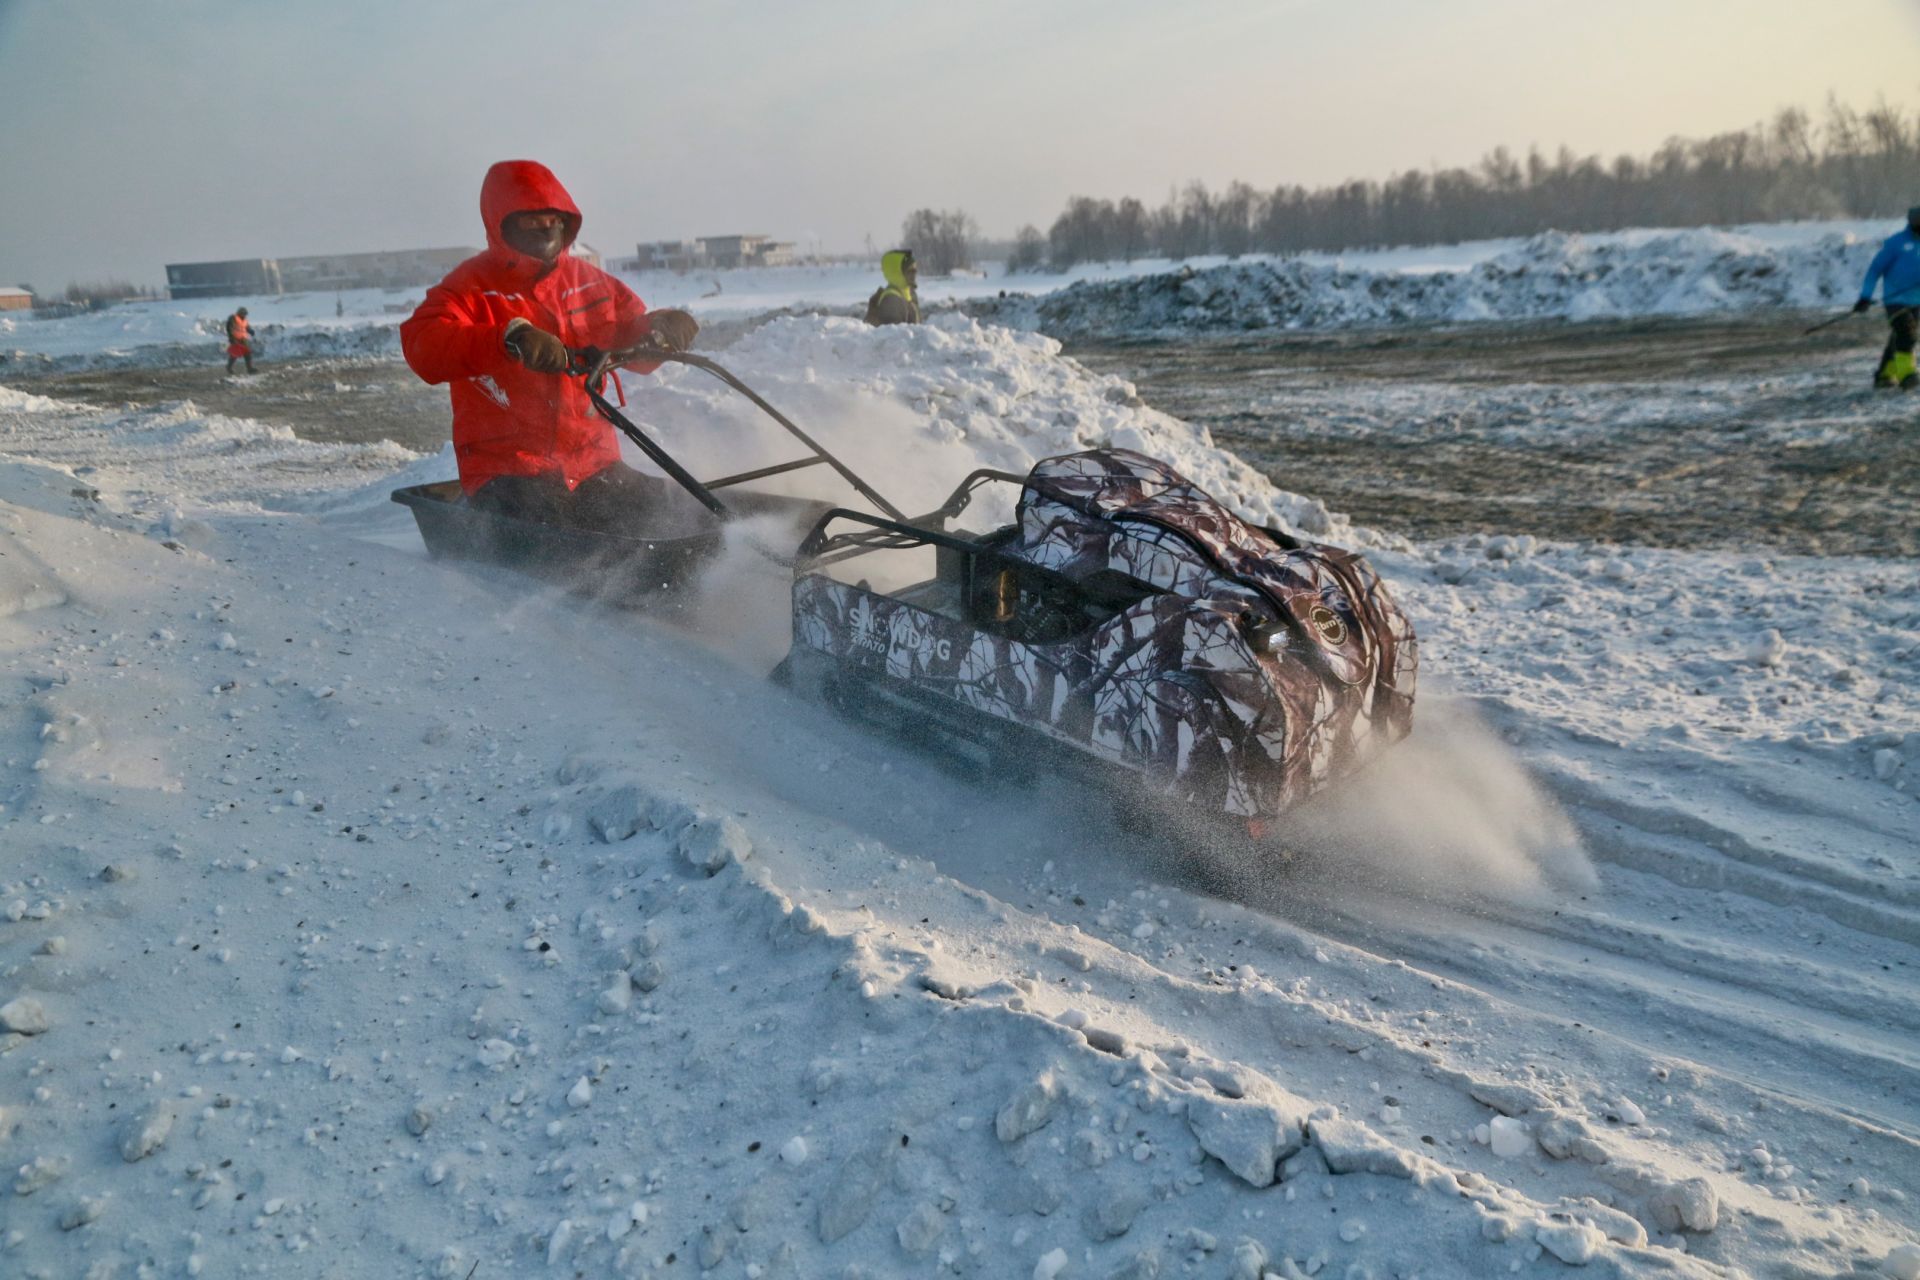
x: 604, y: 501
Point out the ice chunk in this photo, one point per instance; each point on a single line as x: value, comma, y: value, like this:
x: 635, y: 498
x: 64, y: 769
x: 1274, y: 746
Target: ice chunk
x: 1508, y: 1137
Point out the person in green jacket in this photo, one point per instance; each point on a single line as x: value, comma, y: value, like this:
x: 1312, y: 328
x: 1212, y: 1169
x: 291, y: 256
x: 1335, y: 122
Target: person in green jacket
x: 897, y: 301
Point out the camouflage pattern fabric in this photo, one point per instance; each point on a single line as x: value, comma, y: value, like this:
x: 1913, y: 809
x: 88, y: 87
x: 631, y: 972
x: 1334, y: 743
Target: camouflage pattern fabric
x: 1171, y: 686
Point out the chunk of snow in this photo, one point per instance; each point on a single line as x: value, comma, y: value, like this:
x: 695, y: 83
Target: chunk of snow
x: 1766, y: 649
x: 849, y: 1197
x: 1626, y: 1112
x: 1692, y: 1205
x: 1508, y: 1137
x: 1351, y: 1147
x: 1027, y: 1110
x: 559, y: 1241
x: 920, y: 1229
x: 1051, y: 1264
x: 25, y: 1016
x: 1574, y: 1243
x: 1902, y: 1262
x: 1249, y: 1136
x: 85, y: 1210
x: 711, y: 843
x: 147, y: 1134
x: 39, y: 1172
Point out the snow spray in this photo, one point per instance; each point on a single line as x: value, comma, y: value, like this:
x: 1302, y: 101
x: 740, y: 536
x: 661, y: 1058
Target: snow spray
x: 1450, y: 812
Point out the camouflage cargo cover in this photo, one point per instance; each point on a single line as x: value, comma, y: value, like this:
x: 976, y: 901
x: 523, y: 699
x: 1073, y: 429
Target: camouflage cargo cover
x: 1173, y: 685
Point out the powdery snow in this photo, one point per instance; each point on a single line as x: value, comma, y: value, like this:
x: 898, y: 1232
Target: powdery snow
x: 364, y: 916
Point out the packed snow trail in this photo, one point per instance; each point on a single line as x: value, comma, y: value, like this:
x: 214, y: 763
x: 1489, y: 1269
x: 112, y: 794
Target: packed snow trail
x: 468, y: 955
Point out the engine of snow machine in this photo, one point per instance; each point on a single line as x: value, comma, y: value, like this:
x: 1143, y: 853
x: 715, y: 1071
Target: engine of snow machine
x: 1127, y: 617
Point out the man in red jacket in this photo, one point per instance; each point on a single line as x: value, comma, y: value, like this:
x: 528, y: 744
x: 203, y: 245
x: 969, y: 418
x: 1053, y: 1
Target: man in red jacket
x: 497, y: 331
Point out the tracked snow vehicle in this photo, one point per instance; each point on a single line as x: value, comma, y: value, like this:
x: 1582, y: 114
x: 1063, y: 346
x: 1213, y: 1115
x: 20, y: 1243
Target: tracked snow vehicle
x: 1124, y: 624
x: 1124, y: 620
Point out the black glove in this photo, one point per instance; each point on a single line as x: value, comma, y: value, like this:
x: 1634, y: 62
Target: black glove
x: 535, y: 348
x: 1865, y: 304
x: 674, y: 330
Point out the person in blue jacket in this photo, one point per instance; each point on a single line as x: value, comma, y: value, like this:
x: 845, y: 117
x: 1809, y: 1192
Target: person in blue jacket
x: 1898, y: 265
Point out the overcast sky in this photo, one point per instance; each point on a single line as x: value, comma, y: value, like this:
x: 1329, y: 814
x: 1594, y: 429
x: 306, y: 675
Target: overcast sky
x: 138, y: 133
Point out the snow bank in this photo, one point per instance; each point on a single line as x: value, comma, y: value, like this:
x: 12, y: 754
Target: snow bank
x: 1551, y: 276
x: 915, y: 408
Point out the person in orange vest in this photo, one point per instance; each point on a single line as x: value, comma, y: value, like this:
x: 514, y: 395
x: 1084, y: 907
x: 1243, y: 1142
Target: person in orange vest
x: 239, y: 340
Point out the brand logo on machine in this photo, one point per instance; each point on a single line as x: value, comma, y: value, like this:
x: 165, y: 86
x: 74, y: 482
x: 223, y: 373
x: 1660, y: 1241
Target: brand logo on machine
x: 1328, y: 624
x: 923, y: 643
x: 872, y: 633
x: 869, y: 632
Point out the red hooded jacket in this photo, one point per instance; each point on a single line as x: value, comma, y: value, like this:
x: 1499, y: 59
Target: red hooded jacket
x: 507, y: 419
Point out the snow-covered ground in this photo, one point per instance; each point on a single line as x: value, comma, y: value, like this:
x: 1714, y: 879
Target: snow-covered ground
x: 1577, y: 277
x: 365, y: 916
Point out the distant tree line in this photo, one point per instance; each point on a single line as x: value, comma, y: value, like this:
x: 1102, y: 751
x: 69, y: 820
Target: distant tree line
x: 1851, y: 164
x: 941, y: 240
x: 96, y: 294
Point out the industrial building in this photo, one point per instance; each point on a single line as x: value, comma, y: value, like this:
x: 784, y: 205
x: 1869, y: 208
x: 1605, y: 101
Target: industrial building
x: 241, y: 277
x: 713, y: 252
x: 253, y: 277
x: 397, y: 269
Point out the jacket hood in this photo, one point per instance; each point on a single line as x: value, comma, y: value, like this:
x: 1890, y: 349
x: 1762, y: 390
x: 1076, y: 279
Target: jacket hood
x: 893, y: 266
x: 515, y: 186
